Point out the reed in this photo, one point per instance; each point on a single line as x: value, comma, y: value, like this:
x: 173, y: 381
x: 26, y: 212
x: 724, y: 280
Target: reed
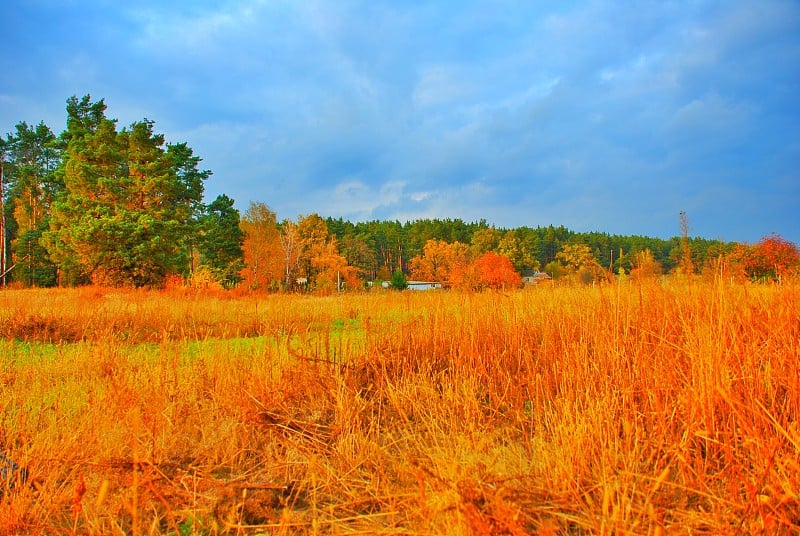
x: 628, y: 408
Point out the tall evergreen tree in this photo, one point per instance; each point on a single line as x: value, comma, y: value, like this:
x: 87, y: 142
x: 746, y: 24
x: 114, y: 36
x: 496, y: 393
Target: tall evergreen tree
x: 34, y: 187
x: 221, y: 240
x: 83, y: 117
x: 128, y: 209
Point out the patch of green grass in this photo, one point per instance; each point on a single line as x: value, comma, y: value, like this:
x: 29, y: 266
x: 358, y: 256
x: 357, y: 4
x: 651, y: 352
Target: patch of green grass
x: 345, y: 324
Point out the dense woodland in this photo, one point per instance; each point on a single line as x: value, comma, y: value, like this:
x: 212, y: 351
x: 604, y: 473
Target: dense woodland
x: 120, y: 207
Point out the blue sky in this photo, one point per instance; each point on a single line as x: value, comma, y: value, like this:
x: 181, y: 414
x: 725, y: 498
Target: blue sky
x: 598, y: 115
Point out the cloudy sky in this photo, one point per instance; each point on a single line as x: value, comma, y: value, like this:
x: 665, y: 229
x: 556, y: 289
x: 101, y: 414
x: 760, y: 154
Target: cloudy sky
x: 601, y: 115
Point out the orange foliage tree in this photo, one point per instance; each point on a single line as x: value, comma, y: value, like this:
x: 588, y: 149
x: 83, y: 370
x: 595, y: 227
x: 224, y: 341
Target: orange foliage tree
x: 313, y: 233
x: 645, y: 265
x: 291, y: 246
x: 263, y: 254
x: 576, y: 260
x: 772, y: 257
x: 331, y: 269
x: 490, y: 270
x: 439, y: 261
x: 287, y: 254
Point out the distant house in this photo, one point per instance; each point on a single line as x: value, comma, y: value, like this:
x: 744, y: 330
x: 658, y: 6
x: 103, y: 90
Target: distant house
x: 536, y: 277
x: 423, y: 285
x: 416, y: 285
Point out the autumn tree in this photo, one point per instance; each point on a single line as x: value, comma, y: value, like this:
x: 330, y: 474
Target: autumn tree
x: 313, y: 233
x: 319, y: 258
x: 645, y: 266
x: 439, y: 260
x: 772, y: 258
x: 575, y: 256
x: 332, y: 273
x: 314, y: 244
x: 496, y: 271
x: 291, y: 246
x: 313, y: 230
x: 263, y: 253
x: 577, y: 260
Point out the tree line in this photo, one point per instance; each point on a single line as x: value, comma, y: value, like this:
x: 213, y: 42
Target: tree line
x: 102, y: 205
x: 322, y: 254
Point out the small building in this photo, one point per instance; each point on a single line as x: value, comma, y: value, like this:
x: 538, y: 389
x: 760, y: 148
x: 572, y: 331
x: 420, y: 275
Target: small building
x: 536, y: 278
x: 424, y: 285
x: 413, y: 285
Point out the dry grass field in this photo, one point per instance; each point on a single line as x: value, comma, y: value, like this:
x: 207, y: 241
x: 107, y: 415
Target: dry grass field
x: 659, y: 408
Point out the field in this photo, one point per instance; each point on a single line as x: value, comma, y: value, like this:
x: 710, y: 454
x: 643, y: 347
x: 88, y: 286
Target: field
x: 657, y: 408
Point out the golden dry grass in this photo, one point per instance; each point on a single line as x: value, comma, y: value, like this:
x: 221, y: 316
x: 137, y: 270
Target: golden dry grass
x: 623, y: 409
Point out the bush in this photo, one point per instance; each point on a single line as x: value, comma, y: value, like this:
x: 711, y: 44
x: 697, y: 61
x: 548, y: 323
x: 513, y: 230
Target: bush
x: 399, y: 281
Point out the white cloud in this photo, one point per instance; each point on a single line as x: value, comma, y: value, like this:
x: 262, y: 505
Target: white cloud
x: 354, y: 198
x: 513, y: 102
x: 439, y: 85
x: 166, y: 27
x: 643, y: 72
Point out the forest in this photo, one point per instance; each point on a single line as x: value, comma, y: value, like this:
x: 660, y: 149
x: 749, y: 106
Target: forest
x: 121, y: 207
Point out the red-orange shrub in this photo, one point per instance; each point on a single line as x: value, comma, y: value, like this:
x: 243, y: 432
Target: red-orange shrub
x: 493, y: 270
x: 772, y: 257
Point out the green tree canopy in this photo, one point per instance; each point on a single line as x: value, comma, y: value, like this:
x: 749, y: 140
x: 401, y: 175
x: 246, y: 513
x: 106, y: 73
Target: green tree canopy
x: 34, y: 186
x: 127, y: 212
x: 221, y: 240
x: 399, y: 281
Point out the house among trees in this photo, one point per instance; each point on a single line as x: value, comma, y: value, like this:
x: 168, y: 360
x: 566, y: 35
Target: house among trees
x: 424, y: 285
x: 536, y: 277
x: 416, y: 285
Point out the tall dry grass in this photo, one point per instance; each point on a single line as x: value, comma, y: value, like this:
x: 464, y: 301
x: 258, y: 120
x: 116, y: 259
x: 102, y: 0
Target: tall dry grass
x: 624, y: 409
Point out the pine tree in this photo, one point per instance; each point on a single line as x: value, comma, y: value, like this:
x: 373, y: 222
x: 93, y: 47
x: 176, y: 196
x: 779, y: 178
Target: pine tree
x: 221, y: 240
x: 34, y: 187
x: 128, y: 212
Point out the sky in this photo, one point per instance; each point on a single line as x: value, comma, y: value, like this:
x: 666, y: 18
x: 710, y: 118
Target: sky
x: 599, y: 115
